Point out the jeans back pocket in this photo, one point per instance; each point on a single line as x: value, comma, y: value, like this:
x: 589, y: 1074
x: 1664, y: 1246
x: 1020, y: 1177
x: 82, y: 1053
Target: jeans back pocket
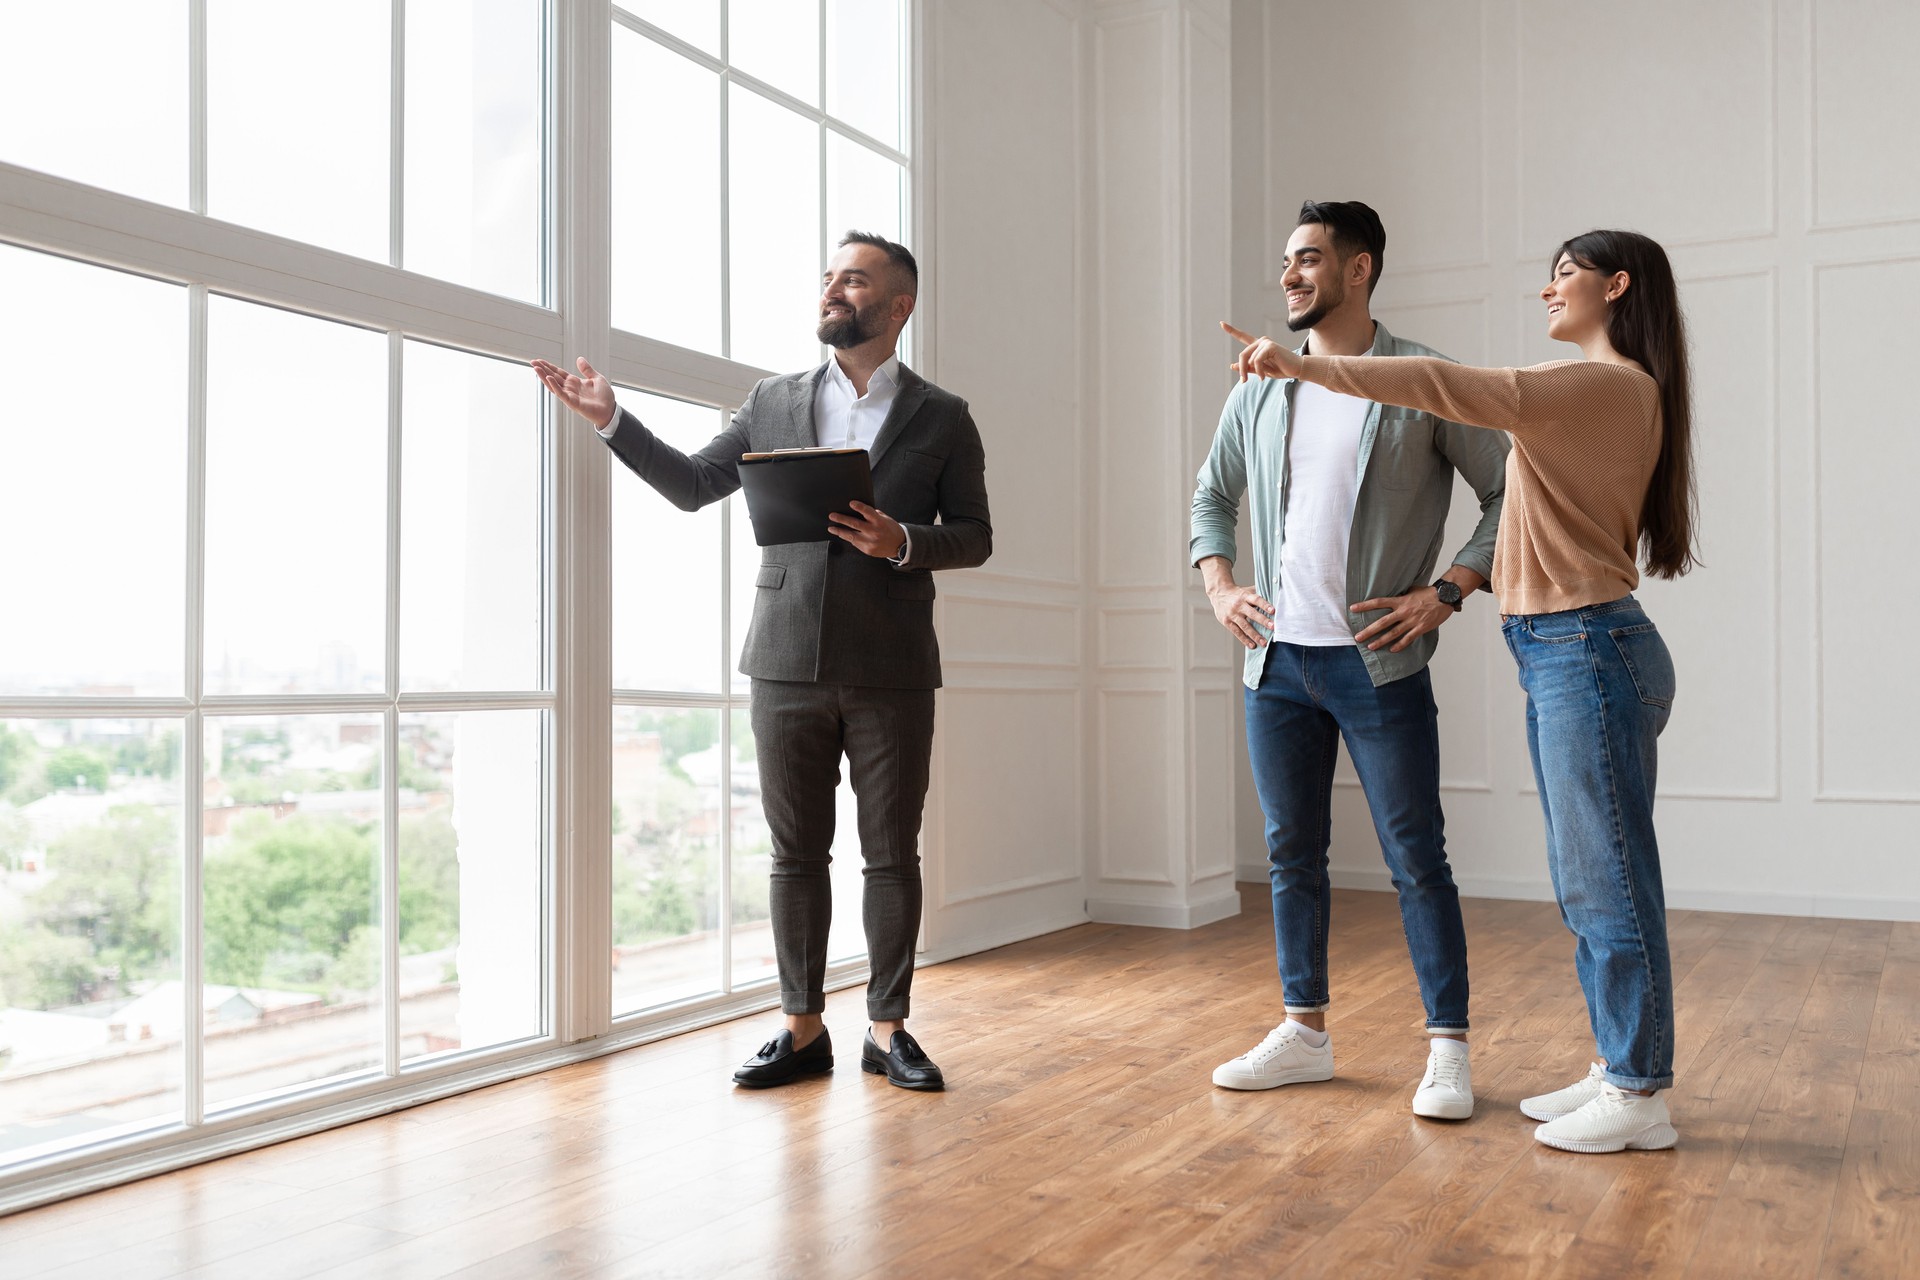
x: 1648, y: 663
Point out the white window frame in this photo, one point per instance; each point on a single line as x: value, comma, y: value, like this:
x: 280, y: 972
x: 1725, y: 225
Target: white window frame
x: 631, y: 356
x: 71, y: 219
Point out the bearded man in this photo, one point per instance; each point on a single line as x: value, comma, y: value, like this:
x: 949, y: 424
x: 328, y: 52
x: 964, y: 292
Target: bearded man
x: 841, y: 652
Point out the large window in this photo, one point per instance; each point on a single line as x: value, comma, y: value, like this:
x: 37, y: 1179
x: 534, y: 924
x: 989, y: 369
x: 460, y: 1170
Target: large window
x: 788, y: 132
x: 314, y: 700
x: 275, y: 698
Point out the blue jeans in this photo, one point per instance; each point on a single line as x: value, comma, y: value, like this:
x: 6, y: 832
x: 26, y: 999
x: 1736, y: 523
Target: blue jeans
x: 1309, y: 698
x: 1599, y: 686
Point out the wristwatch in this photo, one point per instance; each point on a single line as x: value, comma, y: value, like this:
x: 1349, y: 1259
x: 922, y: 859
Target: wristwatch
x: 1449, y: 592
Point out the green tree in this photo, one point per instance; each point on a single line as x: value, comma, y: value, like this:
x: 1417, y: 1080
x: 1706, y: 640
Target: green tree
x: 414, y: 776
x: 19, y: 758
x: 15, y: 833
x: 429, y: 881
x: 157, y: 755
x: 284, y: 898
x: 116, y: 884
x: 41, y: 969
x: 77, y: 767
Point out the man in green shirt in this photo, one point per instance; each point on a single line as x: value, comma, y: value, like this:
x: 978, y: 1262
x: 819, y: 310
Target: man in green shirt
x: 1348, y: 505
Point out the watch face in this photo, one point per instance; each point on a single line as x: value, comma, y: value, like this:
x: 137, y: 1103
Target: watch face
x: 1449, y: 591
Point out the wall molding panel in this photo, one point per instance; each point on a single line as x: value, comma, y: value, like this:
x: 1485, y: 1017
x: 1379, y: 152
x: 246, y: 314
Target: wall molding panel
x: 1797, y: 248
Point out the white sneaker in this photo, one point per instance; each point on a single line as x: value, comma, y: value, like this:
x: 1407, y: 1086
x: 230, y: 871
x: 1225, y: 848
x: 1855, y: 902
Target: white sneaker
x: 1446, y: 1091
x: 1612, y: 1121
x: 1564, y: 1102
x: 1282, y: 1058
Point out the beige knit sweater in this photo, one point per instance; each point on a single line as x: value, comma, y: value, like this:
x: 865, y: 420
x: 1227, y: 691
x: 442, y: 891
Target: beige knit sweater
x: 1585, y: 439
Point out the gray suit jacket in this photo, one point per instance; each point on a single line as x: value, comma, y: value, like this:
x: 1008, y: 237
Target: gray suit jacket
x: 824, y: 611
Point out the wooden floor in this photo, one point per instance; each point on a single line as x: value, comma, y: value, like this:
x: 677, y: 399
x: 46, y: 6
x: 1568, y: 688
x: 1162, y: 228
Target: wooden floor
x: 1081, y: 1136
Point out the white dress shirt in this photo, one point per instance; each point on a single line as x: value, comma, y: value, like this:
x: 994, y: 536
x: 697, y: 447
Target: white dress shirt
x: 843, y: 418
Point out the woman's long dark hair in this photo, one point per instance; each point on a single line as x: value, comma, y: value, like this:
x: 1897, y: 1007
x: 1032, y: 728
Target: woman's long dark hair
x: 1644, y: 324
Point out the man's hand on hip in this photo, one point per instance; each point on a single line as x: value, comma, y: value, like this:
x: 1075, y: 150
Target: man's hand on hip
x: 869, y: 529
x: 1242, y: 611
x: 589, y: 394
x: 1410, y: 616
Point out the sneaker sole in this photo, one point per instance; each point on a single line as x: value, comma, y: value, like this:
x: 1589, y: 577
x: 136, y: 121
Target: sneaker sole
x: 1443, y: 1110
x: 1534, y: 1112
x: 1655, y: 1138
x: 1250, y: 1084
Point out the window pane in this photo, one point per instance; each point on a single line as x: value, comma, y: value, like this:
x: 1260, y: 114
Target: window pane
x: 666, y: 565
x: 92, y: 505
x: 470, y: 880
x: 667, y: 783
x: 744, y: 587
x: 470, y: 522
x: 775, y: 268
x: 297, y: 120
x: 666, y: 195
x: 91, y: 1006
x: 296, y: 503
x: 753, y: 954
x: 753, y: 957
x: 117, y: 119
x: 292, y: 902
x: 473, y: 143
x: 863, y: 66
x: 777, y: 41
x: 863, y: 191
x: 695, y: 21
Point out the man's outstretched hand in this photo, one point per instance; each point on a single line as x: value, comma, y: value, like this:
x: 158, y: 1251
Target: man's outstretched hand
x: 588, y: 394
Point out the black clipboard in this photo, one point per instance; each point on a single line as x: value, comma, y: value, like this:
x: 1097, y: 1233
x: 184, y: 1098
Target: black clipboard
x: 790, y: 492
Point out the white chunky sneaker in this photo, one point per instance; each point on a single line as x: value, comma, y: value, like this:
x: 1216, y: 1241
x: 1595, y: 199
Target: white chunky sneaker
x: 1446, y: 1091
x: 1282, y: 1058
x: 1613, y: 1121
x: 1564, y: 1102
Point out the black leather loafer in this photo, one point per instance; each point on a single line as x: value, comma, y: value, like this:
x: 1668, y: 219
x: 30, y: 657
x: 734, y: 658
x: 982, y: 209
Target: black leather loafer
x: 904, y: 1063
x: 778, y: 1062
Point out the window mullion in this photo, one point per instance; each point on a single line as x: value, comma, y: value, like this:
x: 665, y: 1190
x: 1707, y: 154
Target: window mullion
x: 726, y: 745
x: 197, y: 105
x: 397, y: 137
x: 193, y: 731
x: 390, y: 722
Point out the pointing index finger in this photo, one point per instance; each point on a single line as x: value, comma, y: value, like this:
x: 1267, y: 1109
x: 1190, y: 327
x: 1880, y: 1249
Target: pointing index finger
x: 1247, y: 338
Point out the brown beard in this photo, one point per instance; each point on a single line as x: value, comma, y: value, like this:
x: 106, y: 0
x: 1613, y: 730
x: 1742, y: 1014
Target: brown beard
x: 862, y: 324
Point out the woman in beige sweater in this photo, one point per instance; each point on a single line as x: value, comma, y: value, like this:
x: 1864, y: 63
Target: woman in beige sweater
x: 1600, y: 477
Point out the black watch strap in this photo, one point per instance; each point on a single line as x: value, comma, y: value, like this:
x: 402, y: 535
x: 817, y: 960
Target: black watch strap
x: 1449, y: 593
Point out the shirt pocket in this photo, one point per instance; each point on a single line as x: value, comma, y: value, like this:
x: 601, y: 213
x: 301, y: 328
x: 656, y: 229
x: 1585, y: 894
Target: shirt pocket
x: 1403, y: 454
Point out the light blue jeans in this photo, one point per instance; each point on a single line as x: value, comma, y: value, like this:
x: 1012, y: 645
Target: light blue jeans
x: 1599, y: 685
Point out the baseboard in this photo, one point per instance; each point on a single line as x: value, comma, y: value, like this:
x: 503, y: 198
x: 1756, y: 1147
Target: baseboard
x: 1004, y: 937
x: 1734, y: 901
x: 1158, y: 915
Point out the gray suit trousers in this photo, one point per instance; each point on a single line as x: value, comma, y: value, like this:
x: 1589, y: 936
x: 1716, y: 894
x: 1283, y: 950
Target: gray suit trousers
x: 801, y: 729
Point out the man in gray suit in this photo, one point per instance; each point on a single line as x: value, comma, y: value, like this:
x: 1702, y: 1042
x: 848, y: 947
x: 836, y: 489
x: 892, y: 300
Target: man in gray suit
x: 841, y: 650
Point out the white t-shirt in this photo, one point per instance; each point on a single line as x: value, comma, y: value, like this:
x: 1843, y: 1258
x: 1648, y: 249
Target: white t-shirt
x: 1323, y: 447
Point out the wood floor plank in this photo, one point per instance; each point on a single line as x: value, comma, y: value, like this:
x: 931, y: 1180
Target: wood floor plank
x: 1772, y: 1215
x: 1082, y: 1135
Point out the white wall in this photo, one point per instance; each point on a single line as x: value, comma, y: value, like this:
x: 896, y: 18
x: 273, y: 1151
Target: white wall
x: 1006, y: 830
x: 1077, y: 203
x: 1774, y: 148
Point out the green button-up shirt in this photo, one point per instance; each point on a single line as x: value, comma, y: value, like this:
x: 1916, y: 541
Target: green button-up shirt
x: 1407, y: 461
